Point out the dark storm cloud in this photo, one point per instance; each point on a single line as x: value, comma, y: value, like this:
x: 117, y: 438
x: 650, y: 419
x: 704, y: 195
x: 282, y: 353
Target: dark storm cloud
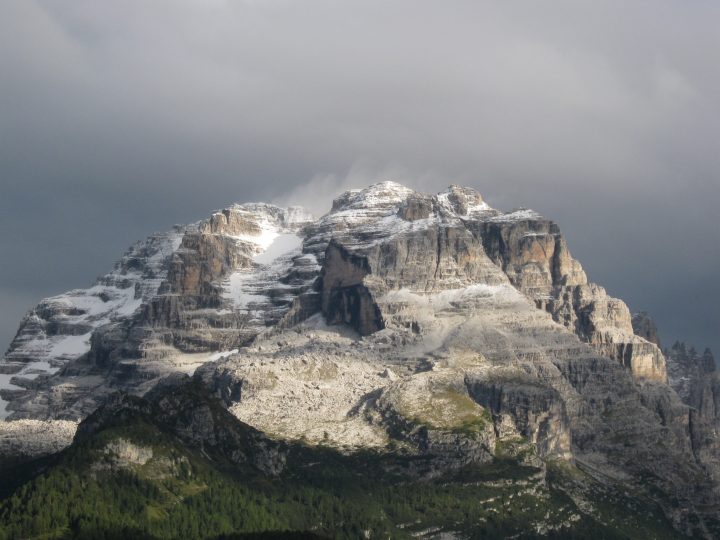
x: 119, y: 119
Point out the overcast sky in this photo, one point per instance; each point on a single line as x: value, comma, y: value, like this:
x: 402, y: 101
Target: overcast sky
x: 122, y: 118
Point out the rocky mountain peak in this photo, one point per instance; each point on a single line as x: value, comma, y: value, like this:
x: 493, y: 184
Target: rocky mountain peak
x: 382, y: 194
x: 463, y: 200
x: 456, y: 200
x: 430, y: 323
x: 256, y: 223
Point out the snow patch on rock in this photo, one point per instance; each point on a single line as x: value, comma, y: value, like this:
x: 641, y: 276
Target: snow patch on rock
x: 282, y: 244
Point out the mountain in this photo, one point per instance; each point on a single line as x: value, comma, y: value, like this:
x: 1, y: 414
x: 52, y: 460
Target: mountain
x: 440, y: 336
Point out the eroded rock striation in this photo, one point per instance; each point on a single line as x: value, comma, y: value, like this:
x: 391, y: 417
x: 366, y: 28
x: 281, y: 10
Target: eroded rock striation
x: 431, y: 325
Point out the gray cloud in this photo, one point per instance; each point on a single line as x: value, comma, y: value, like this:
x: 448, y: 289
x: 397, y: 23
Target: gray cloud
x: 119, y: 119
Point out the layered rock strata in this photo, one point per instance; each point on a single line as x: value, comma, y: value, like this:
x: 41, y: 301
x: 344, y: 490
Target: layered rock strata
x: 171, y: 304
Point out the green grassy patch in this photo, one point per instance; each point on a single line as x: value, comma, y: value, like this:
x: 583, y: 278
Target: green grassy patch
x: 449, y: 409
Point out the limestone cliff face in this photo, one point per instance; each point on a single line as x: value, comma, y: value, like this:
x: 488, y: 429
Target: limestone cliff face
x: 537, y: 411
x: 223, y: 246
x: 345, y: 298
